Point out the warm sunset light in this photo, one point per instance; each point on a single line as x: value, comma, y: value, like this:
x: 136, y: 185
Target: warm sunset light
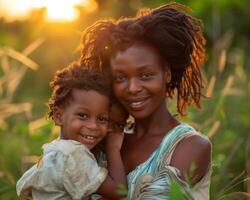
x: 61, y: 11
x: 65, y: 10
x: 56, y: 10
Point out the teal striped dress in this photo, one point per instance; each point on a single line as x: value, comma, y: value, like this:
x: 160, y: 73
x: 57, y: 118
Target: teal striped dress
x: 161, y: 179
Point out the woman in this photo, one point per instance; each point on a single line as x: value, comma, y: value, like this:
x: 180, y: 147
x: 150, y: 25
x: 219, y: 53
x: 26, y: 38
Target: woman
x: 151, y: 57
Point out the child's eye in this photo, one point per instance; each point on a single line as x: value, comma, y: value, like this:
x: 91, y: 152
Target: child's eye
x: 83, y: 115
x: 146, y: 75
x: 119, y: 125
x: 103, y: 119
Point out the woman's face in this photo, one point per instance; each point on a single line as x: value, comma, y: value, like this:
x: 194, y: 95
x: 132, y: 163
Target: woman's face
x: 139, y: 80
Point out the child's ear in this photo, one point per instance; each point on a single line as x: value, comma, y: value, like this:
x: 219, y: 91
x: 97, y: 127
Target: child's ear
x: 58, y: 116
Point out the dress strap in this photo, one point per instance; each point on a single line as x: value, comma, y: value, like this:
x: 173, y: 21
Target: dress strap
x: 170, y: 142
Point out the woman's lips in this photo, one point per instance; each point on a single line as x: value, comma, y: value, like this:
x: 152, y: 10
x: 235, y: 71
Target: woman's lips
x: 137, y: 104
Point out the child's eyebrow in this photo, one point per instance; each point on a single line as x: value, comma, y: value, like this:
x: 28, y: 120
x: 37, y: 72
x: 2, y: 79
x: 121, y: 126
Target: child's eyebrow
x: 85, y: 108
x: 82, y: 107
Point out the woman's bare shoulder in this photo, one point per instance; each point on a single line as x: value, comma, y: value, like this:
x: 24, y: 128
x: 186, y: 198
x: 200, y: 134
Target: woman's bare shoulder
x: 192, y: 157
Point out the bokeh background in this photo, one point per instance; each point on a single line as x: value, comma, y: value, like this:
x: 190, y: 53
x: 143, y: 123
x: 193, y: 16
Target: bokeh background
x: 39, y: 37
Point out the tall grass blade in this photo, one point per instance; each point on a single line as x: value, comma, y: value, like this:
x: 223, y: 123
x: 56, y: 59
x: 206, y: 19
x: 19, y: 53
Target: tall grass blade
x: 33, y: 46
x: 210, y: 87
x: 21, y: 58
x: 222, y: 61
x: 213, y: 130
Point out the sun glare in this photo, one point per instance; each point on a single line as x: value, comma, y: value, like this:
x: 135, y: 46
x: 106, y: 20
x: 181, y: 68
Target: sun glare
x: 56, y: 10
x: 61, y: 11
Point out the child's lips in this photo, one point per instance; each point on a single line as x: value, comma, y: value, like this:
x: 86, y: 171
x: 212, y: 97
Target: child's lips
x: 89, y: 139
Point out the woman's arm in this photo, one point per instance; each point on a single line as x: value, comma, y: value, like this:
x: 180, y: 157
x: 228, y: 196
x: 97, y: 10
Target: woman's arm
x: 116, y: 176
x: 192, y: 157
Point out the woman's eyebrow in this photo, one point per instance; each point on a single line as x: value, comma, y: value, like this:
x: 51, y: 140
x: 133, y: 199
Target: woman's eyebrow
x: 144, y: 67
x: 117, y: 70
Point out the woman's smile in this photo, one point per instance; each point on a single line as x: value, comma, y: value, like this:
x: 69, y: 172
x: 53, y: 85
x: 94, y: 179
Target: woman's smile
x: 139, y: 80
x: 138, y: 104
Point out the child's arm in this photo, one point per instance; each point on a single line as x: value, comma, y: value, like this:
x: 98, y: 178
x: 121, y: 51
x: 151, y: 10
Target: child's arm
x: 116, y: 176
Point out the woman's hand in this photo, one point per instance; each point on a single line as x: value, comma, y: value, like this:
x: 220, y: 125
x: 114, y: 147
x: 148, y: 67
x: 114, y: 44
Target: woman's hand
x: 116, y: 176
x: 114, y: 141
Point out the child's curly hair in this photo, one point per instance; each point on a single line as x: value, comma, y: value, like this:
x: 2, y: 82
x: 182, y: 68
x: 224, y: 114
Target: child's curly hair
x: 76, y: 76
x: 176, y: 36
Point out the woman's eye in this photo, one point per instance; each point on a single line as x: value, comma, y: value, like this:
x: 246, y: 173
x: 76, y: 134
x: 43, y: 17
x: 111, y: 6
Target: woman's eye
x: 146, y: 75
x: 82, y: 115
x: 119, y: 78
x: 103, y: 119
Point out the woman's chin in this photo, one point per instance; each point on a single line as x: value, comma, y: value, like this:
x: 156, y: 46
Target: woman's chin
x: 139, y: 115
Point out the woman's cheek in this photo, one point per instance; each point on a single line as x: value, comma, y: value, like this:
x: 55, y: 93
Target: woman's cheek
x: 118, y: 89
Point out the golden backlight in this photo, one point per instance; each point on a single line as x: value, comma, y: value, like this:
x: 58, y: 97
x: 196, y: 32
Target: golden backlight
x: 61, y: 11
x: 65, y: 10
x: 56, y: 10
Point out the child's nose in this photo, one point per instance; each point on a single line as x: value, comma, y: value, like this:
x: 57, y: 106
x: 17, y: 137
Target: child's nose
x: 92, y: 124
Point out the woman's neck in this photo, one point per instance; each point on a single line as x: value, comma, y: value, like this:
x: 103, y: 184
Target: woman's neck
x: 158, y: 122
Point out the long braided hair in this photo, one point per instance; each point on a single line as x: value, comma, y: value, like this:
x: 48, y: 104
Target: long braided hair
x: 175, y: 35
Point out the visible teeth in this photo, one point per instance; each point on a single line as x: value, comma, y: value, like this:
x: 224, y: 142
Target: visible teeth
x: 89, y: 137
x: 136, y: 103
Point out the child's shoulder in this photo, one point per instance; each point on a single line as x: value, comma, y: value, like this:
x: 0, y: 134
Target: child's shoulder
x: 66, y: 147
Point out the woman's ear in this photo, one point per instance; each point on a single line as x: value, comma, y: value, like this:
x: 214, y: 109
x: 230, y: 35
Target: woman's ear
x: 58, y: 116
x: 167, y: 74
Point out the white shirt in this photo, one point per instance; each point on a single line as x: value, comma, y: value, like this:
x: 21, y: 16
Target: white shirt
x: 67, y: 170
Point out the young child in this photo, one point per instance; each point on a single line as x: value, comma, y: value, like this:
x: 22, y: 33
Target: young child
x: 80, y: 105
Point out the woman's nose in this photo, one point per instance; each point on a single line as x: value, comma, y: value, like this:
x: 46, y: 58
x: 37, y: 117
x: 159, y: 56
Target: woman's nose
x: 134, y: 86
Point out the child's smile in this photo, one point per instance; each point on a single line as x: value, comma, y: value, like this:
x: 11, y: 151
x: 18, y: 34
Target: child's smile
x: 85, y: 117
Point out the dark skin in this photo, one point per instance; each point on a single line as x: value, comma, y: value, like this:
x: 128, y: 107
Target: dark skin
x: 139, y: 82
x: 135, y: 144
x: 113, y: 143
x: 83, y: 116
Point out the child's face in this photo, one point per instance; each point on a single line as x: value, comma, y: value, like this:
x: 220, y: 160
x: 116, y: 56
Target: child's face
x: 84, y: 118
x: 117, y: 118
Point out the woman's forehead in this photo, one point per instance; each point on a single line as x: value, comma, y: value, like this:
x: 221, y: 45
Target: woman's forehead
x: 137, y: 54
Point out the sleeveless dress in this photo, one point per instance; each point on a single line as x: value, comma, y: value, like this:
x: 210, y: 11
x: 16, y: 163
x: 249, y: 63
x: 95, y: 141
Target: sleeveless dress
x: 152, y: 178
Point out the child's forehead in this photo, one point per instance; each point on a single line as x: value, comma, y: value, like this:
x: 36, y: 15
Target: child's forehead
x: 89, y: 98
x: 118, y: 111
x: 115, y: 106
x: 87, y: 93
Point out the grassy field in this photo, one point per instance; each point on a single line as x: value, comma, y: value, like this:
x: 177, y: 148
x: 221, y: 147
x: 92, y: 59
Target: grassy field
x: 31, y: 51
